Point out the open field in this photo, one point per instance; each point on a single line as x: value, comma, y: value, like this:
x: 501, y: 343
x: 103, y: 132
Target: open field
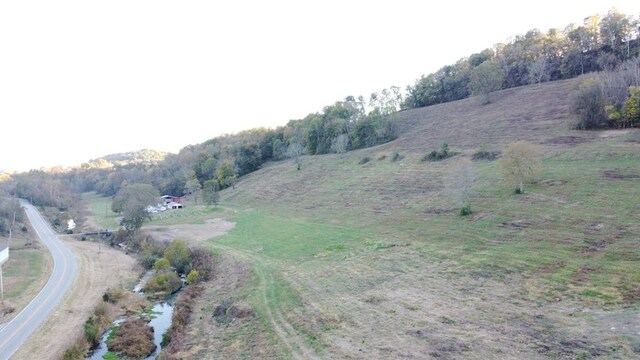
x: 347, y: 259
x: 372, y: 261
x: 100, y: 209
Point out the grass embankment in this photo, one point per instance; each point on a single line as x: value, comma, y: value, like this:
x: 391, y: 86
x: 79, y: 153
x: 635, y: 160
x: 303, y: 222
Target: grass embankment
x: 372, y: 260
x: 25, y: 273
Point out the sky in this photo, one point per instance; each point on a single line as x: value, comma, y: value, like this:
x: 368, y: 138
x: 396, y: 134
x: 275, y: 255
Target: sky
x: 83, y: 79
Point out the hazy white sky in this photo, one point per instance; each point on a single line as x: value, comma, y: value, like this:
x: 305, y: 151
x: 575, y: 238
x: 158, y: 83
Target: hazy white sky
x: 82, y: 79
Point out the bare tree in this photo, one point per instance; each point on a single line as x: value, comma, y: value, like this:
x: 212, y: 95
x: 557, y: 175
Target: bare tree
x: 461, y: 187
x: 538, y: 72
x: 340, y: 144
x: 192, y: 187
x: 295, y: 152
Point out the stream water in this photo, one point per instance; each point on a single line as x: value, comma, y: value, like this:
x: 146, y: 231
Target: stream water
x: 161, y: 313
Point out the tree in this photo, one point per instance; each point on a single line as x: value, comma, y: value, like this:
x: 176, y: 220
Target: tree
x: 340, y: 144
x: 192, y: 187
x: 226, y: 174
x: 295, y: 152
x: 485, y: 79
x: 464, y: 176
x: 538, y: 71
x: 178, y: 255
x: 615, y: 27
x: 520, y: 162
x: 131, y: 201
x: 210, y: 194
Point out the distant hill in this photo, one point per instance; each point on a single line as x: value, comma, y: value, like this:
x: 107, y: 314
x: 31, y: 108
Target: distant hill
x: 144, y: 156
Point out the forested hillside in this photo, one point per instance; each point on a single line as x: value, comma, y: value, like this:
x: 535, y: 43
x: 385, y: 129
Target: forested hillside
x: 607, y: 44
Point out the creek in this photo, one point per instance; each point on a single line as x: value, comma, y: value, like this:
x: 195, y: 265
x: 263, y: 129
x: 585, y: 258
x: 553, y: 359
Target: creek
x: 161, y: 314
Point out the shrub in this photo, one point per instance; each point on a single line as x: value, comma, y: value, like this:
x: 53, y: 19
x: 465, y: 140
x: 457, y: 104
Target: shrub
x: 364, y: 160
x: 133, y: 339
x: 147, y: 259
x: 178, y: 255
x: 166, y: 282
x: 484, y: 154
x: 92, y: 332
x: 161, y: 265
x: 588, y: 103
x: 96, y: 325
x: 101, y: 310
x: 202, y: 260
x: 192, y: 277
x: 466, y: 210
x: 113, y: 295
x: 395, y: 157
x: 438, y: 155
x: 75, y: 352
x: 175, y: 338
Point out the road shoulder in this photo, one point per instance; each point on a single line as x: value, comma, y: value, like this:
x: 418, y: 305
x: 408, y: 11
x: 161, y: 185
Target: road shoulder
x: 97, y: 271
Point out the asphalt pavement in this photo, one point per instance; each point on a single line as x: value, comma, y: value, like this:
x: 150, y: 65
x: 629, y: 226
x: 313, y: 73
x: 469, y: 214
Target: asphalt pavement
x: 16, y: 332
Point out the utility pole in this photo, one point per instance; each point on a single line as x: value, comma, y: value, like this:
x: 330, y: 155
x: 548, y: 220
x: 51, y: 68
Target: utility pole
x: 1, y: 287
x: 11, y: 229
x: 98, y: 235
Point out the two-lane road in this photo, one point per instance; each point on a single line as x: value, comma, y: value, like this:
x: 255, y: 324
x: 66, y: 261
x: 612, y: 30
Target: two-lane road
x: 64, y: 270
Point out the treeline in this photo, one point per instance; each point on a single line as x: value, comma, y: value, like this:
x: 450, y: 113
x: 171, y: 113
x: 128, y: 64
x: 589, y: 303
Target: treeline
x: 605, y: 43
x: 599, y: 44
x: 217, y: 163
x: 51, y: 190
x: 609, y: 99
x: 345, y: 125
x: 11, y: 214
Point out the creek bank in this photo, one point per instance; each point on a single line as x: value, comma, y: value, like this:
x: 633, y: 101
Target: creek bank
x: 158, y: 318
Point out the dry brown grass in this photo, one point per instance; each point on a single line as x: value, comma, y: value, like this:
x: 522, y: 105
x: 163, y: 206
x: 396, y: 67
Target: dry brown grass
x: 377, y: 299
x: 96, y: 273
x: 133, y: 339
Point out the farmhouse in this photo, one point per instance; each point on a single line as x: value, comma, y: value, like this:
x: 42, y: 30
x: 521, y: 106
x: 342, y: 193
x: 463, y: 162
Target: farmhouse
x: 167, y: 199
x: 174, y: 205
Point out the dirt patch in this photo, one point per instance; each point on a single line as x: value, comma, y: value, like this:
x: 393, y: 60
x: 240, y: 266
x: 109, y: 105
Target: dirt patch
x: 567, y: 140
x: 486, y: 155
x: 620, y: 174
x: 191, y: 232
x: 97, y: 271
x: 552, y: 182
x: 435, y: 212
x: 613, y: 133
x: 516, y: 224
x: 584, y: 273
x: 228, y: 312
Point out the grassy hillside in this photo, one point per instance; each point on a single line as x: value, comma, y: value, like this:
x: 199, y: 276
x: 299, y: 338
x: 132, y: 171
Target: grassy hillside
x: 354, y: 259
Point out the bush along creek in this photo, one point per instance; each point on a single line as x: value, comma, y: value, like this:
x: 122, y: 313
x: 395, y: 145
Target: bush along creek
x: 142, y: 323
x: 139, y: 335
